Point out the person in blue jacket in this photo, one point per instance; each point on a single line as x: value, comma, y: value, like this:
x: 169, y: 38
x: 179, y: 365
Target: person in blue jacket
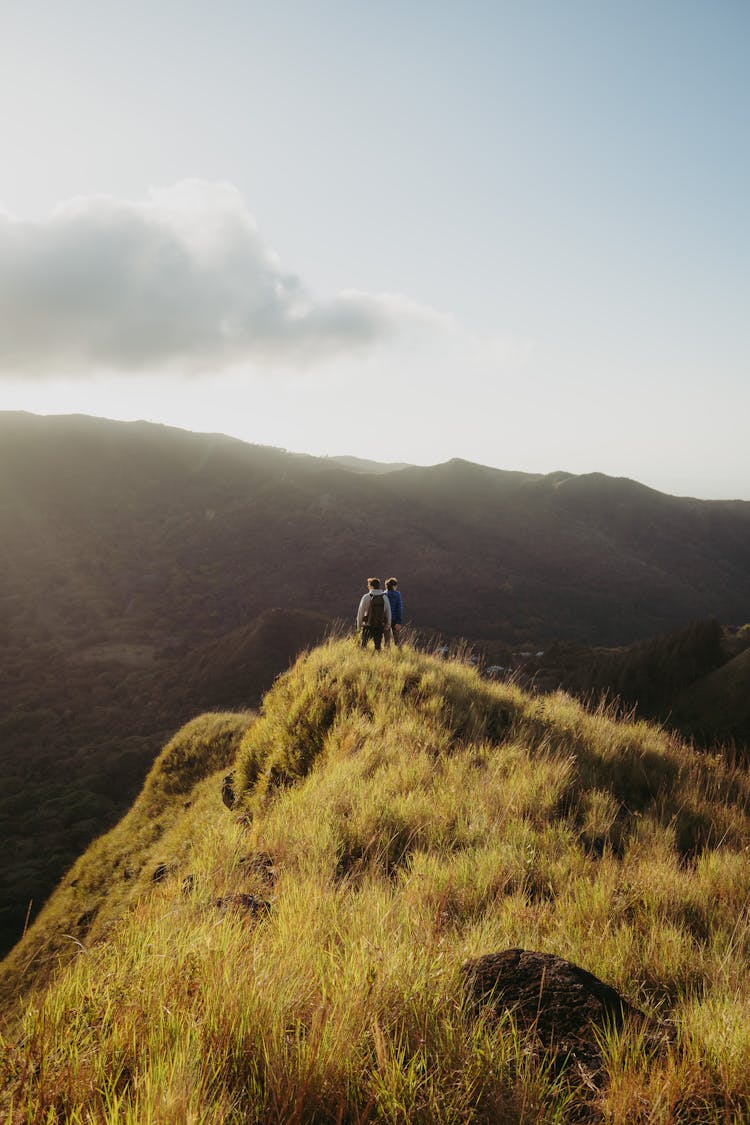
x: 397, y: 609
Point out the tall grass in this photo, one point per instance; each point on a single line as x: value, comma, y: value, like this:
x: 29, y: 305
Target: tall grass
x: 400, y: 815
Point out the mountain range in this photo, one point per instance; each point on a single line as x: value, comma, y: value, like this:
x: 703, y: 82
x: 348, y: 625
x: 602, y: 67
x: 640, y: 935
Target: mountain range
x: 140, y: 532
x: 150, y: 573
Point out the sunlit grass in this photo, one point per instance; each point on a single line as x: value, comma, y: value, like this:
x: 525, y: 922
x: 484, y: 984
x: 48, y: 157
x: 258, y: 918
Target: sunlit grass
x: 409, y: 815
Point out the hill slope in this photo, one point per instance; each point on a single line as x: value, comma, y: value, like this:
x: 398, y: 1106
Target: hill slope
x: 117, y: 868
x: 135, y: 558
x: 80, y: 727
x: 399, y: 814
x: 718, y: 705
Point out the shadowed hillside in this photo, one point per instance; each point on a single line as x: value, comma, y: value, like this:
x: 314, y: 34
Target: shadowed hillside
x: 717, y: 706
x: 300, y: 957
x: 695, y: 680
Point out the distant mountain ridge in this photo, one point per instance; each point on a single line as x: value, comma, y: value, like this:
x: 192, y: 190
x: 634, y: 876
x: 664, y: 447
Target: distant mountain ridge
x: 151, y: 522
x: 362, y: 465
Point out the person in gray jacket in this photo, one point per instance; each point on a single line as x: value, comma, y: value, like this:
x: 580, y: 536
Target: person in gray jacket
x: 373, y: 614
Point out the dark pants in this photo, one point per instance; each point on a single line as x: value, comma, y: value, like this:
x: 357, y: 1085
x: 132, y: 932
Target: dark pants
x: 374, y: 631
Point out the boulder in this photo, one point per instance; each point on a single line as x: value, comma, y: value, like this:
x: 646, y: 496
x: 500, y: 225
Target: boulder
x: 565, y: 1008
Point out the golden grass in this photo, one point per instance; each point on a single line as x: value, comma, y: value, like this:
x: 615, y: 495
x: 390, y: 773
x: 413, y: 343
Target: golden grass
x: 401, y: 814
x: 118, y: 867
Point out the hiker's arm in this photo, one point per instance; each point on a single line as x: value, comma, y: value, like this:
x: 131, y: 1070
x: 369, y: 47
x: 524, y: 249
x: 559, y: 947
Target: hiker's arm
x: 361, y: 611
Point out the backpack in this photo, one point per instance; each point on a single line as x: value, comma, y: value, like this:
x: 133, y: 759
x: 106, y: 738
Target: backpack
x: 375, y: 615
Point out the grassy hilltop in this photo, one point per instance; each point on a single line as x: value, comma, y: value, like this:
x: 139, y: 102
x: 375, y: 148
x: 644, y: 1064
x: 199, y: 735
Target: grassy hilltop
x: 398, y: 815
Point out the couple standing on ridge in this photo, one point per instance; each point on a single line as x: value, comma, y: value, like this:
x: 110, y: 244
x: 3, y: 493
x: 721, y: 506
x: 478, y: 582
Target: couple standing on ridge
x: 380, y: 612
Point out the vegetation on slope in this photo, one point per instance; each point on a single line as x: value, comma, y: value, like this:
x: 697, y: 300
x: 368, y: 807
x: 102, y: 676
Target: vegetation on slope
x: 717, y: 706
x: 400, y: 814
x: 118, y: 867
x: 695, y: 680
x: 80, y: 730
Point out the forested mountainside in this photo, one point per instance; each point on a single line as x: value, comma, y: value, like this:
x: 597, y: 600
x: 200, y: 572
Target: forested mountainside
x: 160, y: 535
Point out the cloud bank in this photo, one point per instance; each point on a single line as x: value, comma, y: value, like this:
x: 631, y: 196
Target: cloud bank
x: 180, y: 282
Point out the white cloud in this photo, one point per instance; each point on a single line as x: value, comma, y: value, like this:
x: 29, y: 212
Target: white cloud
x: 180, y: 282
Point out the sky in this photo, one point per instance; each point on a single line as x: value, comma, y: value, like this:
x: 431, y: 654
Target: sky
x: 513, y: 232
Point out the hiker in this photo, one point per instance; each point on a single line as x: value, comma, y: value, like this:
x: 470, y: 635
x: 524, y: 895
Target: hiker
x: 397, y: 611
x: 374, y: 614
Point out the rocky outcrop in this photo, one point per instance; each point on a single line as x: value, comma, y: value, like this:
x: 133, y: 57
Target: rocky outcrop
x: 227, y: 790
x: 565, y: 1008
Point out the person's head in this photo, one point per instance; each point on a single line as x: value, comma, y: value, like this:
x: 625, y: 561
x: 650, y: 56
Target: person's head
x: 391, y: 584
x: 373, y: 583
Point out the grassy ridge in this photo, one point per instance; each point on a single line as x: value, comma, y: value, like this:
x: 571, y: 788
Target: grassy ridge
x: 401, y: 814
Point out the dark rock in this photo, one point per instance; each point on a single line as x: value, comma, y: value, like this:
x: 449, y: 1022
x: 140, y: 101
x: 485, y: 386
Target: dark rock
x: 187, y: 884
x: 85, y: 920
x: 251, y: 903
x: 563, y: 1006
x: 227, y: 791
x: 160, y: 872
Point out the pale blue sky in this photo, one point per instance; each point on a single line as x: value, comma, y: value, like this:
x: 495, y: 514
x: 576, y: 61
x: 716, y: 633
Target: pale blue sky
x: 523, y: 225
